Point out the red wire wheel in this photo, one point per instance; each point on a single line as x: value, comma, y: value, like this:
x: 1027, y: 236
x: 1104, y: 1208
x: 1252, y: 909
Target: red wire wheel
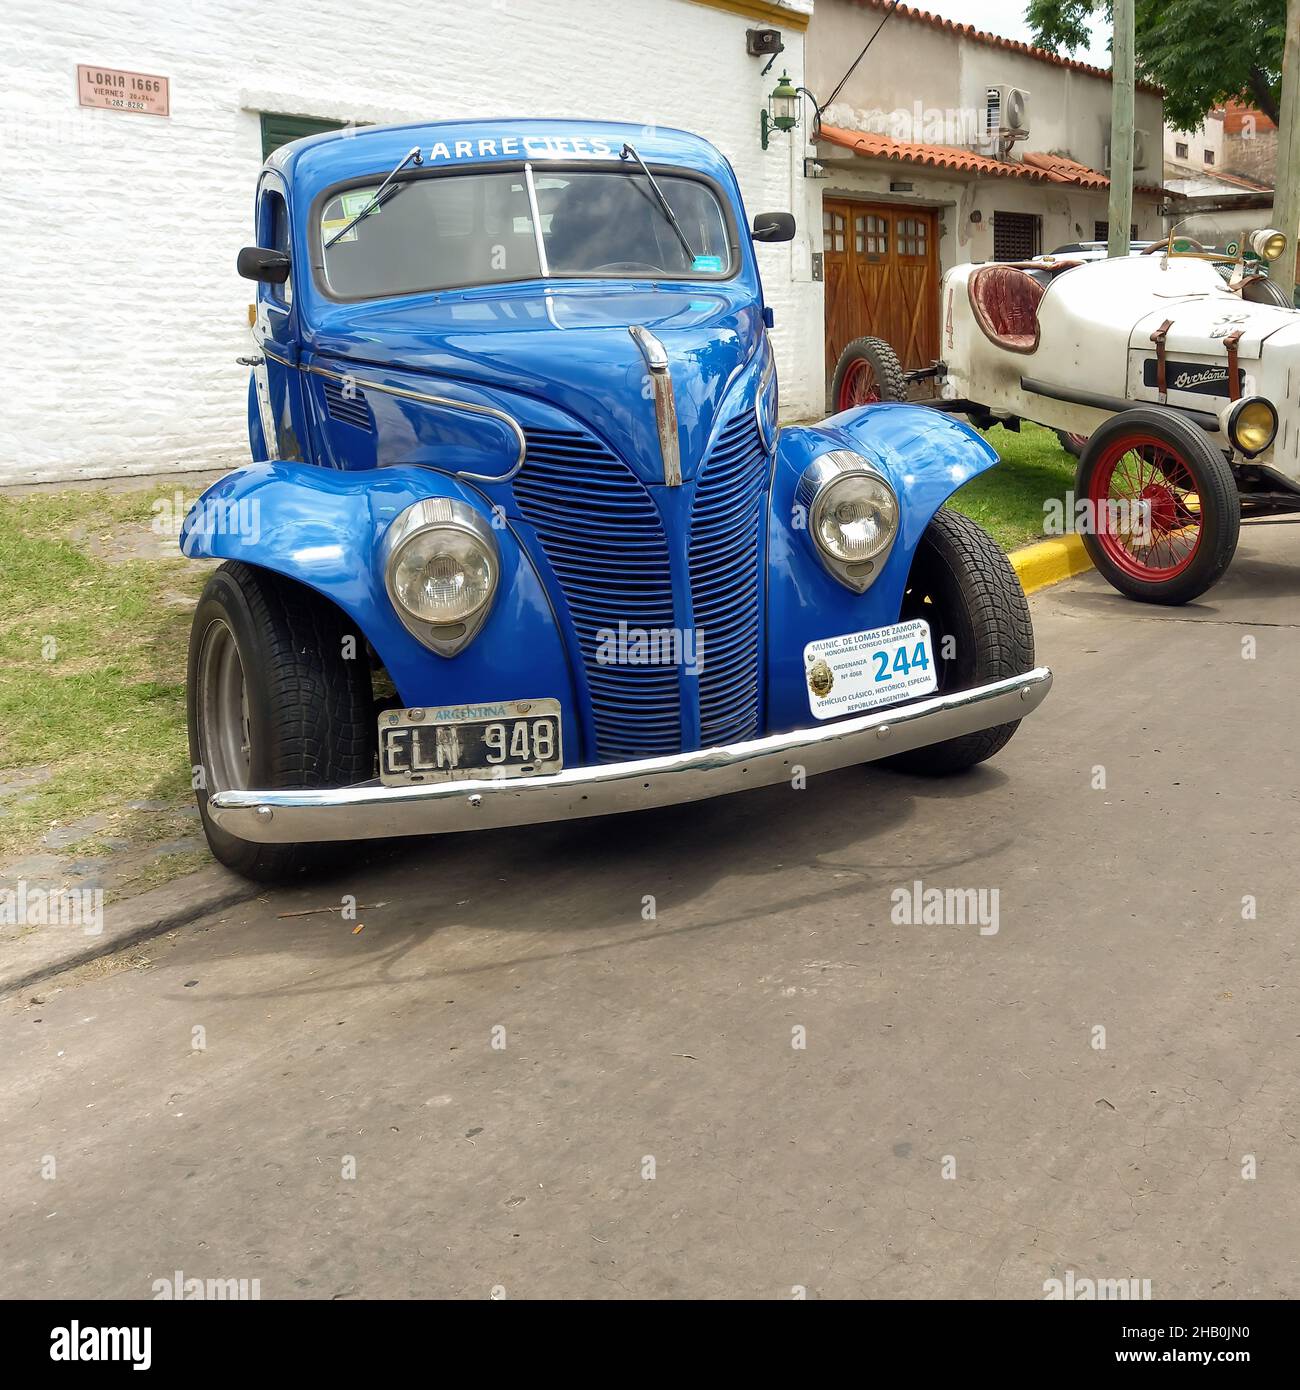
x: 1164, y: 513
x: 859, y: 386
x: 868, y: 371
x: 1145, y: 509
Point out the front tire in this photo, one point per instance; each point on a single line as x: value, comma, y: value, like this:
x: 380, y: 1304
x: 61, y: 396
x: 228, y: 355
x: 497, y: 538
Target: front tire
x: 980, y: 630
x: 1183, y: 538
x: 278, y: 697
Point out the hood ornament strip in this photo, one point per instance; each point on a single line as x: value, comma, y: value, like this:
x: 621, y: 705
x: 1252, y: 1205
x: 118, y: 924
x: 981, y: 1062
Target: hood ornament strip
x: 661, y: 381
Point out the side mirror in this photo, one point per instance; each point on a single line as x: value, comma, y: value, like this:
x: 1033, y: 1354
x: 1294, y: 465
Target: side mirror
x: 773, y: 226
x: 260, y: 263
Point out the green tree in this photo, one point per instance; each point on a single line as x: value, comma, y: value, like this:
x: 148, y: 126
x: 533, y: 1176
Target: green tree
x: 1202, y: 52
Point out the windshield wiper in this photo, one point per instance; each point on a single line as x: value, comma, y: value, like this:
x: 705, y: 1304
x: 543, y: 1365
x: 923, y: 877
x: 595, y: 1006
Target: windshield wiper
x: 378, y: 200
x: 630, y: 150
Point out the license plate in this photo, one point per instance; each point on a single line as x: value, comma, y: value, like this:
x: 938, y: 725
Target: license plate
x: 864, y: 670
x: 454, y: 743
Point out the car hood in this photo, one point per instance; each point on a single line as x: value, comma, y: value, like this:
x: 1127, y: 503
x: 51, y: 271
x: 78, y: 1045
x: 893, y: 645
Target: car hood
x: 1199, y: 325
x: 566, y: 346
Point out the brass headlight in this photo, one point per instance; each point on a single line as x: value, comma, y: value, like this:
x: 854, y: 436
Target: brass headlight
x: 1268, y: 243
x: 1251, y: 425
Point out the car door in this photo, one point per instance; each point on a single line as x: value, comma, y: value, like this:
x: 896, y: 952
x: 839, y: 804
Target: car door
x: 277, y: 382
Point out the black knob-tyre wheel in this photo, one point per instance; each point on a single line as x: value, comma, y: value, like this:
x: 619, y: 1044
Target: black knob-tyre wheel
x: 868, y: 371
x: 278, y: 697
x: 1072, y: 443
x: 963, y: 585
x: 1164, y: 513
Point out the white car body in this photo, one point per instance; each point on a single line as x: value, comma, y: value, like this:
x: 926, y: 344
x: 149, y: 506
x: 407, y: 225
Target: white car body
x: 1094, y: 323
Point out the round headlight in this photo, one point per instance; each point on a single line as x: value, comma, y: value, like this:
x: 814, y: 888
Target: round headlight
x: 1252, y: 424
x: 851, y: 514
x: 441, y: 568
x: 1268, y: 243
x: 855, y: 517
x: 442, y: 576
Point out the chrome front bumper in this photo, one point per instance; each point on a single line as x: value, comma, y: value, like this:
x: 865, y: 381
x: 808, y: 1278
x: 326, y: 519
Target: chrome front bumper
x: 370, y: 811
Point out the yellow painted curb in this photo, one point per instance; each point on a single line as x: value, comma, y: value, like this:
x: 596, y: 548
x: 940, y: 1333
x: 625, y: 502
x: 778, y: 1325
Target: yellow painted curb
x: 1049, y: 562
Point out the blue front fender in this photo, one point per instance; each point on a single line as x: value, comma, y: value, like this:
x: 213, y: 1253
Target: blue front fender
x: 926, y: 457
x: 323, y: 528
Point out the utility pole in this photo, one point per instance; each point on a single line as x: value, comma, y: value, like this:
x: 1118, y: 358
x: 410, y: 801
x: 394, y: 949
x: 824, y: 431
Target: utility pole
x: 1286, y: 191
x: 1121, y: 129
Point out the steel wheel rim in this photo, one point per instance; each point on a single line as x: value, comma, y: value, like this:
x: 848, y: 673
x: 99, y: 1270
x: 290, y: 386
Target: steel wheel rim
x: 859, y: 386
x: 225, y: 733
x: 1141, y: 468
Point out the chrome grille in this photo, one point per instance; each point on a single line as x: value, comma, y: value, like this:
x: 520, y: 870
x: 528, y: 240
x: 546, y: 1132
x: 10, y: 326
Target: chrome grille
x: 604, y: 539
x: 727, y: 559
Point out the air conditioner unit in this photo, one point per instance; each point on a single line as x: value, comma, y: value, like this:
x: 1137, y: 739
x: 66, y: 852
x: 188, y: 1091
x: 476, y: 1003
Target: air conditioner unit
x: 1142, y: 148
x: 1006, y: 112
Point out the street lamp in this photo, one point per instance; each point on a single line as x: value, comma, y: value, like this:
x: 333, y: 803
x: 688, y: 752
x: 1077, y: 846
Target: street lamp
x: 782, y: 109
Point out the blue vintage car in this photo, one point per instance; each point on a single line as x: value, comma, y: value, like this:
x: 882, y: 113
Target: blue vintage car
x: 523, y: 541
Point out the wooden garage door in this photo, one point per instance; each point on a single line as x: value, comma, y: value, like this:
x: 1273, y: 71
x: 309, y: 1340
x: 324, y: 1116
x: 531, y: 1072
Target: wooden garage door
x: 882, y: 279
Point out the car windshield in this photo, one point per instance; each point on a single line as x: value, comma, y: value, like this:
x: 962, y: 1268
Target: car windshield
x: 477, y: 229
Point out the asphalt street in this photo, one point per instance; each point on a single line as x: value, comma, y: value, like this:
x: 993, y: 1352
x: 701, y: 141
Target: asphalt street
x: 520, y: 1078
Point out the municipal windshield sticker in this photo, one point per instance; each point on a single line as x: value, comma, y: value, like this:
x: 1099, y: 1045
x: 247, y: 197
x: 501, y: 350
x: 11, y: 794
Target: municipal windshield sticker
x: 353, y: 205
x: 864, y: 670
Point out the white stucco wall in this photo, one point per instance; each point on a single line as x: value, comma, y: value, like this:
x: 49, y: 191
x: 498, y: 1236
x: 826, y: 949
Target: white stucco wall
x: 1208, y: 136
x: 121, y: 231
x: 917, y: 71
x: 912, y: 62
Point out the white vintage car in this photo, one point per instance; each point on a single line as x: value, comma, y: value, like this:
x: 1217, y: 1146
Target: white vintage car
x: 1176, y: 370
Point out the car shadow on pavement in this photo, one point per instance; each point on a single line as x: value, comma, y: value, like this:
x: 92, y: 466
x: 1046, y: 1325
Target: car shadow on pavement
x: 585, y: 884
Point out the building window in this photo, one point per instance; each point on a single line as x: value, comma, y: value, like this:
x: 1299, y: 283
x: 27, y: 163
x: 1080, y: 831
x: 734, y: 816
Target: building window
x: 871, y: 236
x: 1180, y: 149
x: 278, y: 130
x: 833, y: 225
x: 1017, y: 236
x: 911, y: 236
x: 1101, y: 231
x: 1209, y: 156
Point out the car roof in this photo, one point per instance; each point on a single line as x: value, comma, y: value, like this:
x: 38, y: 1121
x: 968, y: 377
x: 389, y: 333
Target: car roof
x: 338, y: 155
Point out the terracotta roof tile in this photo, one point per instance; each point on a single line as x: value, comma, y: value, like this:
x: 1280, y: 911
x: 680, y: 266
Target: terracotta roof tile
x: 873, y: 146
x: 1059, y: 169
x: 969, y: 31
x: 1032, y: 167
